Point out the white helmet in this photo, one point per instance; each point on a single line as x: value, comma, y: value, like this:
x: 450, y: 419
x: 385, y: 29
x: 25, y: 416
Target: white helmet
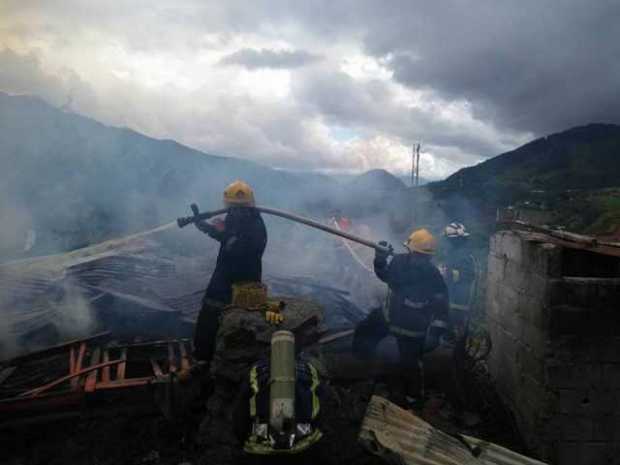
x: 455, y: 230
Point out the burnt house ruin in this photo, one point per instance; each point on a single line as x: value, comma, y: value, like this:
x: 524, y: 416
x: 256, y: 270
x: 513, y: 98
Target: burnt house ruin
x: 553, y: 314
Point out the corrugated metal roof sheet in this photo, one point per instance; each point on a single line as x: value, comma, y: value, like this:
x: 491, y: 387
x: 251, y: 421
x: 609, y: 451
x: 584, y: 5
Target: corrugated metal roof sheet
x: 399, y: 437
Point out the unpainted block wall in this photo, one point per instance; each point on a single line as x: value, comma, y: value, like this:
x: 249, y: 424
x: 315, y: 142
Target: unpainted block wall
x: 556, y: 346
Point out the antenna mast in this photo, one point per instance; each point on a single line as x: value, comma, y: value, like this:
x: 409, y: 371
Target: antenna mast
x: 415, y: 165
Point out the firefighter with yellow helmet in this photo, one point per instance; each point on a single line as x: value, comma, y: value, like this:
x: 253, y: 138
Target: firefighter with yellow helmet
x: 243, y: 238
x: 415, y: 310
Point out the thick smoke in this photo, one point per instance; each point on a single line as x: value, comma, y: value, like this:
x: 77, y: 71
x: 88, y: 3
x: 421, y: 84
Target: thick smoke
x: 70, y: 182
x: 73, y: 315
x: 39, y: 309
x: 17, y: 235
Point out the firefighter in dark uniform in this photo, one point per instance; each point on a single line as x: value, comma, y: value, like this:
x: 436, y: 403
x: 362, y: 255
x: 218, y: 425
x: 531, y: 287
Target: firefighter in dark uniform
x: 415, y: 310
x: 242, y: 238
x: 460, y: 270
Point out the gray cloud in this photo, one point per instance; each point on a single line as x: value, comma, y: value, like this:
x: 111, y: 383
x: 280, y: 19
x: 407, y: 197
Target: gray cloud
x: 512, y: 71
x: 554, y: 79
x: 527, y: 66
x: 278, y: 59
x: 372, y: 107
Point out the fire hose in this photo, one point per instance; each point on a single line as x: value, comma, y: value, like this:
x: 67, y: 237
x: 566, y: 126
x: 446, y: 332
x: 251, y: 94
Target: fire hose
x: 198, y: 216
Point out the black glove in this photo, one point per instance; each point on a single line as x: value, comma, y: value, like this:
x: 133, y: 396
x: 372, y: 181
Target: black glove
x: 380, y: 255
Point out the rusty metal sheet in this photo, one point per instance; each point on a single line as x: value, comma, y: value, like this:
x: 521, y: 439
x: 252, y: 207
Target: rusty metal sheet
x: 400, y: 437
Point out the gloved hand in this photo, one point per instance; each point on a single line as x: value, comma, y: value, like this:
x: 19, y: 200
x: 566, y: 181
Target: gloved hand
x: 380, y: 255
x: 275, y: 318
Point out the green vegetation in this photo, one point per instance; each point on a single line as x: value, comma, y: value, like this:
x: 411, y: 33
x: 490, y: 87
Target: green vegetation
x: 571, y: 178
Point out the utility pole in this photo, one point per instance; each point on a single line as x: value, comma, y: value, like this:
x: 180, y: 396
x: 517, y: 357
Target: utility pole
x: 415, y: 165
x: 415, y: 179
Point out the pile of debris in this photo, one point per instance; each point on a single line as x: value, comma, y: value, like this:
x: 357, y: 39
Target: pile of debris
x: 152, y: 375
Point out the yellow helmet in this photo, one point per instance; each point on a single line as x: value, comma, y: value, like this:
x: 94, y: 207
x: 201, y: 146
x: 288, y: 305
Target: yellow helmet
x: 421, y: 241
x: 239, y: 194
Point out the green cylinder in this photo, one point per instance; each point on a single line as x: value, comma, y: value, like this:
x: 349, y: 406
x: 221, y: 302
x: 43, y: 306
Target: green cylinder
x: 282, y: 381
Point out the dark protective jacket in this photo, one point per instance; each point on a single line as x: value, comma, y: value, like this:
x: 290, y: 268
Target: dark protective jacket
x: 243, y: 240
x: 461, y: 274
x: 417, y: 296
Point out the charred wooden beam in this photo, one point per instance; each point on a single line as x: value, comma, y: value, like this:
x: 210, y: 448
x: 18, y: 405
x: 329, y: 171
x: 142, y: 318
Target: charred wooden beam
x: 184, y: 357
x: 91, y: 379
x: 75, y: 381
x: 172, y: 367
x: 122, y: 366
x: 35, y: 392
x: 57, y: 348
x: 157, y: 371
x: 105, y: 375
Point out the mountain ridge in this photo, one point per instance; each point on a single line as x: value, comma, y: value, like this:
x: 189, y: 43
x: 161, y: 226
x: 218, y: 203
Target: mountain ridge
x: 583, y: 157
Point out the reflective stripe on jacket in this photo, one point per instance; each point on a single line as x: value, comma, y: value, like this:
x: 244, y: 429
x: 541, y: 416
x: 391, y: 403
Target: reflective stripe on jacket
x: 417, y: 294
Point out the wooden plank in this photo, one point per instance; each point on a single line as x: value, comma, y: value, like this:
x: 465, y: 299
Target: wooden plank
x: 91, y: 379
x: 120, y: 371
x: 35, y: 392
x: 75, y: 381
x: 156, y: 368
x: 162, y: 342
x: 565, y: 239
x: 126, y: 383
x: 172, y: 367
x: 105, y: 375
x: 184, y: 358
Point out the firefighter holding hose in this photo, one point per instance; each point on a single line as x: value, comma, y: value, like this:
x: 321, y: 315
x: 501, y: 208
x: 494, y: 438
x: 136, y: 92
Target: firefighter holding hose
x: 243, y: 238
x: 415, y: 310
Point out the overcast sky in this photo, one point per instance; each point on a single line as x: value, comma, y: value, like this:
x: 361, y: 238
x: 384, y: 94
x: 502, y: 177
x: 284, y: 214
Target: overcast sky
x: 323, y: 85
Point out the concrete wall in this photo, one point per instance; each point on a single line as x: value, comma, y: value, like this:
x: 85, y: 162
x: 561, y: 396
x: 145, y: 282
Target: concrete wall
x: 556, y: 348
